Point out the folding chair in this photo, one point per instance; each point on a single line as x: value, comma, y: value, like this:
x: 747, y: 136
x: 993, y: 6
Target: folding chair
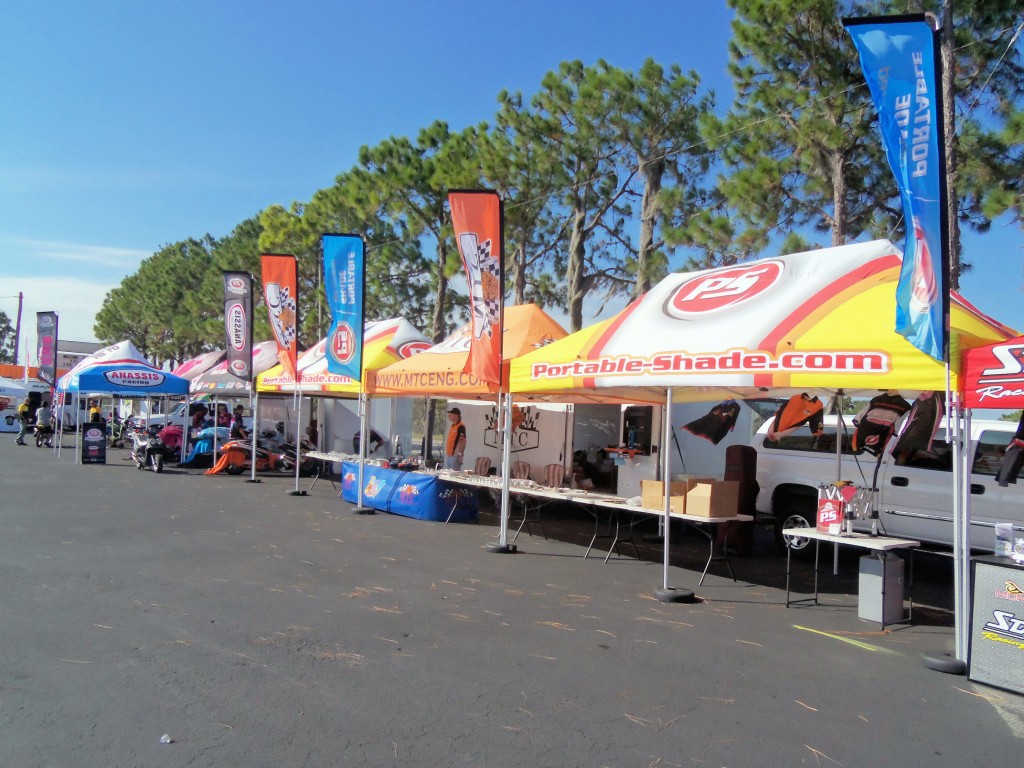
x: 530, y: 507
x: 482, y: 467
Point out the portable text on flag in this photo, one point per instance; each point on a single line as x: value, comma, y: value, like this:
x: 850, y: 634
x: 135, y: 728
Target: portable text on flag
x: 900, y: 59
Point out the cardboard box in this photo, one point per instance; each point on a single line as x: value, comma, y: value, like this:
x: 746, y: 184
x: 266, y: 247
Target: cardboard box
x: 720, y: 498
x: 652, y: 493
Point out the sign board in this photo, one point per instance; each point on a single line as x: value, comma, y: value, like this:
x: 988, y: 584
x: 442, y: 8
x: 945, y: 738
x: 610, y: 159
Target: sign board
x: 997, y: 624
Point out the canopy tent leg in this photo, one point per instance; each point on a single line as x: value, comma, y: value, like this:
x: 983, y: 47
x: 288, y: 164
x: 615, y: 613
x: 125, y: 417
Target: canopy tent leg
x: 505, y: 419
x: 955, y: 663
x: 79, y: 425
x: 184, y: 428
x: 298, y: 444
x: 254, y: 400
x: 360, y: 508
x: 665, y: 593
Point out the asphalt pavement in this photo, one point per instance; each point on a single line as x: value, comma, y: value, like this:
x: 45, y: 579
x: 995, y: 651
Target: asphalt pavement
x: 254, y: 628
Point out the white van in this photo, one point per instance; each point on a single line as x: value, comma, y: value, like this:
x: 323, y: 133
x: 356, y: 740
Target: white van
x: 915, y: 493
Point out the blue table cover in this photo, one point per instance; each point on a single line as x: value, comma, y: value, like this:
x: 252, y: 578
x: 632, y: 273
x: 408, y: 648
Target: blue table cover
x: 411, y: 494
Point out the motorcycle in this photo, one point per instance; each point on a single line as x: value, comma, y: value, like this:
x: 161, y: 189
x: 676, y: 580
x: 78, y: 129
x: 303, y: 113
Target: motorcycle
x: 308, y: 466
x: 236, y: 458
x: 147, y: 449
x: 44, y: 435
x: 171, y: 437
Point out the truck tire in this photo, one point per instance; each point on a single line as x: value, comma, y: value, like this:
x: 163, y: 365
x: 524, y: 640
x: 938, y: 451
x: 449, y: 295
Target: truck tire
x: 795, y: 510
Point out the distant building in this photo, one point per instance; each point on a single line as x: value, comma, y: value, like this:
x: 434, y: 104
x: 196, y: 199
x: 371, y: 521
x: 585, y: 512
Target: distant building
x: 69, y: 353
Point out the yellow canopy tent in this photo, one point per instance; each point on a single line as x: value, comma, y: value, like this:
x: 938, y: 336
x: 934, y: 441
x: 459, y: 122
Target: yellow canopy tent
x: 809, y: 322
x: 818, y: 322
x: 384, y: 342
x: 438, y: 372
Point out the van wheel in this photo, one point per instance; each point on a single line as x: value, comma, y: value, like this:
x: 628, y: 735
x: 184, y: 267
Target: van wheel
x: 795, y: 512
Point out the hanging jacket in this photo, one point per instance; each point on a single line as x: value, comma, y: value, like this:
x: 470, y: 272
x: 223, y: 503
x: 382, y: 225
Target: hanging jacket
x: 717, y: 423
x: 798, y: 410
x: 876, y: 423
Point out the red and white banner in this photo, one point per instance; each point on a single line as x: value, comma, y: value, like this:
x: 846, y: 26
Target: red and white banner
x: 281, y: 294
x: 477, y: 219
x: 994, y: 375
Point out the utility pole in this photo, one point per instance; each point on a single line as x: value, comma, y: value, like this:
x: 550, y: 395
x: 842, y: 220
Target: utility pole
x: 17, y: 327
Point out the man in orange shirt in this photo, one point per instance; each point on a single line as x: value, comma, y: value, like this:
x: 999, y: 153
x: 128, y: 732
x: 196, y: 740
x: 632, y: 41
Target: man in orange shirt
x: 455, y: 446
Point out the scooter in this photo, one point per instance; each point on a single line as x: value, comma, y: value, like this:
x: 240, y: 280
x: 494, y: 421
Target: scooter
x: 148, y: 452
x: 44, y: 435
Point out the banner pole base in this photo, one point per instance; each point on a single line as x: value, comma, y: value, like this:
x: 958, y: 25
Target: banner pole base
x: 673, y: 595
x: 944, y: 661
x: 501, y: 549
x: 364, y: 511
x: 297, y: 493
x: 257, y: 480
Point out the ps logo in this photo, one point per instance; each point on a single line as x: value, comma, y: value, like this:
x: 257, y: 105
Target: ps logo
x: 722, y: 288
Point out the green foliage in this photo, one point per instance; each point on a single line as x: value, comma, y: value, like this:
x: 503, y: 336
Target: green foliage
x: 7, y: 339
x: 607, y: 175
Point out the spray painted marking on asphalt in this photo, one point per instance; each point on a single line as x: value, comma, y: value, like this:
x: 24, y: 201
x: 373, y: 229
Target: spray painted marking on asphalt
x: 850, y: 640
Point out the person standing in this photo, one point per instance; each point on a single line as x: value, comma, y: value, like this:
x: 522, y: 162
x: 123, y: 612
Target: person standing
x: 223, y: 417
x: 455, y: 446
x: 238, y: 430
x: 25, y: 419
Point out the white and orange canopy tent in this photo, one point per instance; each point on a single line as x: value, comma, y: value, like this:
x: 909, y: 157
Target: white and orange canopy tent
x: 384, y: 342
x: 811, y: 322
x: 438, y: 371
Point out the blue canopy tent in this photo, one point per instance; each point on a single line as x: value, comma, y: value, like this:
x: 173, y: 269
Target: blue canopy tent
x: 119, y: 370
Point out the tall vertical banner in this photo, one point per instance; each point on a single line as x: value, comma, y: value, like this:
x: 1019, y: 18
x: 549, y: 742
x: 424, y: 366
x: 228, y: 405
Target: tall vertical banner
x: 46, y: 346
x: 238, y: 321
x: 344, y: 276
x: 281, y: 293
x: 477, y: 217
x: 901, y: 61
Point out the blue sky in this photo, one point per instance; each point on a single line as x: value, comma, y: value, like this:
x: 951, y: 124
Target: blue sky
x: 125, y: 126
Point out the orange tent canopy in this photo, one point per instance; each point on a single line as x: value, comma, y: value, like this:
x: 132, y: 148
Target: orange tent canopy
x: 438, y: 371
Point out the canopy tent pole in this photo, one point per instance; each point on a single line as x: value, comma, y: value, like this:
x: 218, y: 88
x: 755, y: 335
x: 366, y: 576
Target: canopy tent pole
x: 254, y: 432
x: 360, y: 508
x: 665, y: 593
x: 216, y: 433
x: 186, y: 422
x: 942, y: 661
x: 298, y: 441
x: 962, y: 626
x: 79, y: 425
x: 504, y: 419
x: 59, y: 425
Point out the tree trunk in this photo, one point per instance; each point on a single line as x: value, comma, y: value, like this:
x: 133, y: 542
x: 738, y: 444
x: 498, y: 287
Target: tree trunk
x: 519, y: 269
x: 437, y: 325
x: 838, y: 199
x: 574, y: 274
x: 648, y: 215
